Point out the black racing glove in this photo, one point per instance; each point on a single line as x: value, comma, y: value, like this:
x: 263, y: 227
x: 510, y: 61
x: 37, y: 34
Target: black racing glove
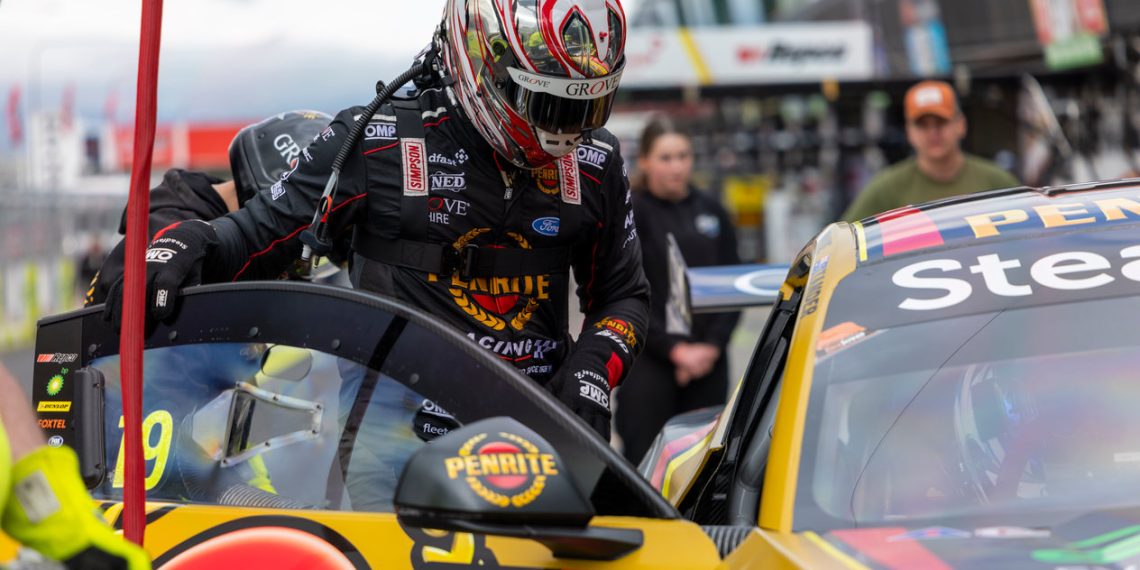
x: 582, y: 384
x: 173, y: 261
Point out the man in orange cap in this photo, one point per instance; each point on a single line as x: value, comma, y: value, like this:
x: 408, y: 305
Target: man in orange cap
x: 935, y: 128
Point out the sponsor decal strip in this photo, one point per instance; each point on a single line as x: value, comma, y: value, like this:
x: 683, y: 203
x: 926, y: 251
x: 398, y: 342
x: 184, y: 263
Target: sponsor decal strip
x: 683, y: 458
x: 579, y: 89
x: 861, y: 240
x: 907, y: 229
x: 874, y: 543
x: 571, y: 183
x: 674, y: 448
x: 839, y: 555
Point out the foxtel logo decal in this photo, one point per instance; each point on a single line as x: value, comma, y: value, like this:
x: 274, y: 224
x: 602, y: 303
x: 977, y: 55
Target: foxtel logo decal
x: 1067, y: 271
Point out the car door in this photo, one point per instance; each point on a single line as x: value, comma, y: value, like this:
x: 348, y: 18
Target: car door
x: 278, y: 418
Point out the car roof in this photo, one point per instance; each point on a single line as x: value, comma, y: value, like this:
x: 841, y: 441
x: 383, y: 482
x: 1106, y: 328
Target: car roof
x: 997, y: 215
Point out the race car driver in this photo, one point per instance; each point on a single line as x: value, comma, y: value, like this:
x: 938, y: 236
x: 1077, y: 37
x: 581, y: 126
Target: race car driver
x: 259, y: 154
x: 44, y: 501
x: 473, y: 199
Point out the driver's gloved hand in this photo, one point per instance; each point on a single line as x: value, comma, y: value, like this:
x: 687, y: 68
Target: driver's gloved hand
x: 173, y: 261
x: 585, y: 389
x: 50, y: 511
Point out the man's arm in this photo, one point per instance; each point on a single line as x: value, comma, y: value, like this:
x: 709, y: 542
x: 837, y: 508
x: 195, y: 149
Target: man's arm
x: 614, y: 295
x: 49, y: 509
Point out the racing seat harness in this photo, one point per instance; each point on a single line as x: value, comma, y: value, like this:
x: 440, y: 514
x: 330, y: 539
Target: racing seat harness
x: 445, y: 259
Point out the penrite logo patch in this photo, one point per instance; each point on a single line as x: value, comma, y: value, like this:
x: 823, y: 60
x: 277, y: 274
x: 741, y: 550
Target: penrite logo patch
x: 497, y: 303
x: 415, y: 167
x: 546, y: 178
x: 571, y: 183
x: 502, y: 469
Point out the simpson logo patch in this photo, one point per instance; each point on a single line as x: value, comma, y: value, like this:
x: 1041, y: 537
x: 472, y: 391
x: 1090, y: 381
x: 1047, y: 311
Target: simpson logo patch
x: 415, y: 167
x: 571, y: 182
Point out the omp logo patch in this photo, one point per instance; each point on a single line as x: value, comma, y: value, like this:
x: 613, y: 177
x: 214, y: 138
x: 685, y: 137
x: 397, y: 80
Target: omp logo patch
x: 415, y: 167
x: 503, y: 469
x: 380, y: 132
x: 592, y: 156
x: 159, y: 254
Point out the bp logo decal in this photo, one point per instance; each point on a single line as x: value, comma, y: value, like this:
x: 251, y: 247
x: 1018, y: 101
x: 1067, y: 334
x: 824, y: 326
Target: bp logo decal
x: 498, y: 303
x: 55, y: 384
x: 503, y: 469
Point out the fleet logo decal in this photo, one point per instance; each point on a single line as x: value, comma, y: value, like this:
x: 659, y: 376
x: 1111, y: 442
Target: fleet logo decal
x: 1011, y: 532
x: 55, y: 384
x: 440, y: 210
x: 546, y: 178
x: 930, y: 533
x: 592, y: 156
x: 546, y: 226
x: 503, y: 469
x: 449, y: 182
x: 380, y: 132
x: 571, y: 184
x: 497, y: 302
x: 415, y: 167
x: 51, y: 407
x: 1066, y: 271
x: 56, y: 358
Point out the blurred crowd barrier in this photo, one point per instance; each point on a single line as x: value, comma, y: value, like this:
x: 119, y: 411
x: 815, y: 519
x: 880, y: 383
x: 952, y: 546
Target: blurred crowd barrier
x: 44, y: 238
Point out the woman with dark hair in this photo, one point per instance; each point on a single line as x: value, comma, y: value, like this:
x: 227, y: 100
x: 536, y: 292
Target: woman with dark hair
x: 674, y: 373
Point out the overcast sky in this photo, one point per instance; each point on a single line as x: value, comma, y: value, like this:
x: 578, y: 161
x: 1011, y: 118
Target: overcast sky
x: 221, y: 59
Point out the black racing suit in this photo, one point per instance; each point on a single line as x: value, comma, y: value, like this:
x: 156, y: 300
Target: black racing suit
x: 450, y: 188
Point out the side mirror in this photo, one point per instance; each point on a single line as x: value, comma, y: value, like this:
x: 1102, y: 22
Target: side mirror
x: 288, y: 363
x: 498, y: 477
x: 69, y: 409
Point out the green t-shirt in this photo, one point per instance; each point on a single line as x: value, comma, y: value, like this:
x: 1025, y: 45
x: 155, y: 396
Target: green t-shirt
x: 904, y: 184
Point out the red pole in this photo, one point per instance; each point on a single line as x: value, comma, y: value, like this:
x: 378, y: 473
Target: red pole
x: 134, y: 274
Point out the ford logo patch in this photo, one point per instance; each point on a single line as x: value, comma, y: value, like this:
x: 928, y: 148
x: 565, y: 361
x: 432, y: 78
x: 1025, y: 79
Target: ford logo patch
x: 546, y: 226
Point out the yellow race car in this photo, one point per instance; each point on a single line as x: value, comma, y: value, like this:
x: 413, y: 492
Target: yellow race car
x: 944, y: 386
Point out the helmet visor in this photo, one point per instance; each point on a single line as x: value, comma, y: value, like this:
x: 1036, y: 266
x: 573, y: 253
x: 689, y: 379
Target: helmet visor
x: 561, y: 105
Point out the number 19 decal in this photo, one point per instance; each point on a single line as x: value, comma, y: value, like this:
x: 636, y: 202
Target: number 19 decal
x: 159, y: 452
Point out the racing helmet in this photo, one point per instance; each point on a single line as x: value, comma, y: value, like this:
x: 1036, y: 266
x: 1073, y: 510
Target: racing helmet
x: 533, y: 76
x: 261, y: 153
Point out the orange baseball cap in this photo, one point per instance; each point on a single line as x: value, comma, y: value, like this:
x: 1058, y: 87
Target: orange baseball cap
x: 931, y: 98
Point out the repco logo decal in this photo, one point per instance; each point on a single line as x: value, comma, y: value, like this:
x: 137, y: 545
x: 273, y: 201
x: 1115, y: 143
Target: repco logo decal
x: 502, y: 469
x: 56, y: 358
x: 571, y: 183
x: 415, y: 167
x: 497, y: 302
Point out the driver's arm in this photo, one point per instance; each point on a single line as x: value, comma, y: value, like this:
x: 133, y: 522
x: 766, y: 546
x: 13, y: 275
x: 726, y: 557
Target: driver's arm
x: 262, y: 238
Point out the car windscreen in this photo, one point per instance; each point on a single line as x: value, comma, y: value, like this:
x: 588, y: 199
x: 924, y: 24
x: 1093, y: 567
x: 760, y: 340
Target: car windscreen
x: 1014, y: 409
